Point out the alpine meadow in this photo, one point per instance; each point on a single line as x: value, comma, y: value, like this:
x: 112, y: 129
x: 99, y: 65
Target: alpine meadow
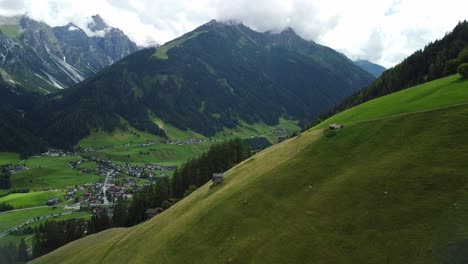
x: 214, y: 132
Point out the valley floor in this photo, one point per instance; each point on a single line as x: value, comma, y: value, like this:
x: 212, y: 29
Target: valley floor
x: 117, y: 164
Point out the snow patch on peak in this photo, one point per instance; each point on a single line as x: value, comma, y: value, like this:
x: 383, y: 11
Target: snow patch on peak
x: 73, y: 28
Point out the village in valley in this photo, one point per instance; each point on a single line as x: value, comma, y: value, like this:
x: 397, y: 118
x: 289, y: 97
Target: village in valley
x: 114, y: 180
x: 91, y: 180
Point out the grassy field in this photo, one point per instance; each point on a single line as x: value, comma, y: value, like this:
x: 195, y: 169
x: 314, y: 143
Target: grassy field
x: 287, y: 127
x: 444, y: 92
x: 31, y: 199
x: 12, y: 31
x: 384, y: 191
x: 11, y: 219
x: 10, y: 239
x: 75, y: 215
x: 118, y: 137
x: 164, y: 154
x: 121, y: 137
x: 167, y: 154
x: 50, y: 172
x: 9, y: 158
x: 177, y: 134
x: 161, y: 52
x: 88, y: 165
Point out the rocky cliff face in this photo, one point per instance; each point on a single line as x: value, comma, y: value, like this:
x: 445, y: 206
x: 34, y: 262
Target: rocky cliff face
x: 44, y: 59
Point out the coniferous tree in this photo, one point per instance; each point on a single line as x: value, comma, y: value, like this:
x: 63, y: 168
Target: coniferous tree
x: 8, y: 254
x: 5, y: 179
x: 23, y: 251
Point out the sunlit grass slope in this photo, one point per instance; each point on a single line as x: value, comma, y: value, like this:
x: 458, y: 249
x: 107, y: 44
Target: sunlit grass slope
x: 443, y: 92
x: 393, y: 190
x: 30, y: 199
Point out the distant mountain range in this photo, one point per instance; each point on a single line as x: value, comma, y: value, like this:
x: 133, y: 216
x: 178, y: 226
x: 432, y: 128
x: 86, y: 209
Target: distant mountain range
x: 370, y: 67
x: 215, y: 77
x: 212, y: 78
x: 44, y: 59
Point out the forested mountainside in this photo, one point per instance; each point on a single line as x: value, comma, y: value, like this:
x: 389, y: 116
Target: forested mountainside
x: 207, y: 80
x: 438, y: 59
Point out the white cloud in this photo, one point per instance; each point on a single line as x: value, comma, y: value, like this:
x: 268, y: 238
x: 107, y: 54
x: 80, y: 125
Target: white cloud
x: 384, y: 31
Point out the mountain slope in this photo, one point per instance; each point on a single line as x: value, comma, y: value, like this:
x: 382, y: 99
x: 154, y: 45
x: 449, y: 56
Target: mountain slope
x: 16, y: 127
x: 210, y: 79
x: 45, y: 59
x: 441, y: 93
x: 374, y: 69
x: 390, y: 190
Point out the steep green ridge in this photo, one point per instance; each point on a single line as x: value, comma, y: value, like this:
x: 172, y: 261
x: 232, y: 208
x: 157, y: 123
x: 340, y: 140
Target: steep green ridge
x: 211, y: 79
x: 448, y: 91
x: 435, y: 61
x: 161, y: 52
x: 383, y: 191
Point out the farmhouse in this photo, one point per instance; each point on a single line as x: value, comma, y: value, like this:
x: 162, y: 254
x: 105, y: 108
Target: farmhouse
x: 53, y: 201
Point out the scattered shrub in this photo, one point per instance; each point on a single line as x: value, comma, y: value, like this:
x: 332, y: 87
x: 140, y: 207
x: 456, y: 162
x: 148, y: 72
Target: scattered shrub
x: 463, y: 70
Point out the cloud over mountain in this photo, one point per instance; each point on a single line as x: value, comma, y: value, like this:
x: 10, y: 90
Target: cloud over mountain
x: 383, y: 31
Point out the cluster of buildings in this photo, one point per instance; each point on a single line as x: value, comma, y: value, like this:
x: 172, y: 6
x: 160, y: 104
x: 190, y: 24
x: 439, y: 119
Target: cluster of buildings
x: 185, y: 142
x: 114, y: 192
x: 173, y: 142
x: 56, y: 153
x: 95, y: 194
x: 75, y: 164
x: 14, y: 168
x: 144, y: 171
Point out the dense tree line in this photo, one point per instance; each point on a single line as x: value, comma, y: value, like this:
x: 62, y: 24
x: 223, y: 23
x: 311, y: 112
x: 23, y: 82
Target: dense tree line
x: 463, y: 70
x: 8, y: 254
x: 257, y: 143
x: 17, y: 127
x: 163, y: 193
x: 219, y: 158
x: 5, y: 178
x: 157, y: 195
x: 52, y: 235
x: 5, y: 207
x: 438, y: 59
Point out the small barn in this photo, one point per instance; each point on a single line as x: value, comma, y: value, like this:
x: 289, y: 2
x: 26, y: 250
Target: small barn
x: 335, y: 126
x: 218, y: 178
x: 53, y: 201
x: 282, y: 138
x: 152, y: 212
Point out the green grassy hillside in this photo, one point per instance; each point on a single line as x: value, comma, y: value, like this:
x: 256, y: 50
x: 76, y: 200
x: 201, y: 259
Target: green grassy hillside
x: 440, y: 93
x: 384, y: 191
x: 31, y: 199
x: 50, y: 172
x: 9, y: 158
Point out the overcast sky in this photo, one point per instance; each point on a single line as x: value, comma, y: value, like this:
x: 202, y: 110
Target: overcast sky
x: 382, y: 31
